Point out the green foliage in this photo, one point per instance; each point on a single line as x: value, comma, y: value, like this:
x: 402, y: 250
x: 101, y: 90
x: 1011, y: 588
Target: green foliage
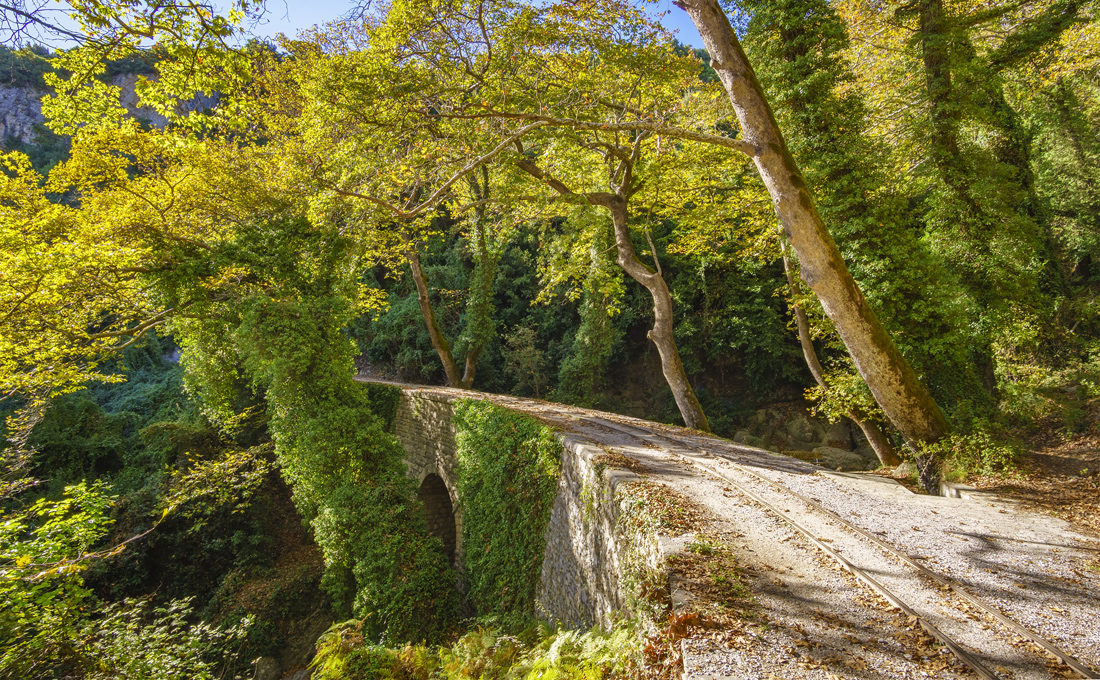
x: 42, y: 553
x: 135, y: 641
x: 798, y: 48
x: 47, y: 627
x: 483, y: 654
x: 117, y: 431
x: 979, y: 452
x: 508, y: 466
x: 45, y: 151
x: 640, y: 521
x: 525, y: 362
x: 345, y: 470
x: 345, y: 653
x: 384, y: 400
x: 1057, y: 389
x: 27, y: 66
x: 1067, y: 169
x: 732, y: 319
x: 582, y: 373
x: 731, y: 325
x: 24, y: 67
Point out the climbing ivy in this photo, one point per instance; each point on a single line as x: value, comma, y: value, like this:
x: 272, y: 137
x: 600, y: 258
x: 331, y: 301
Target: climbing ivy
x: 346, y: 471
x: 287, y: 340
x: 383, y: 401
x: 508, y: 467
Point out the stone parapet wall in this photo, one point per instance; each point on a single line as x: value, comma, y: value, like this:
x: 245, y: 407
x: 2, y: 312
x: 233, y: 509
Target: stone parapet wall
x: 581, y: 577
x: 583, y: 567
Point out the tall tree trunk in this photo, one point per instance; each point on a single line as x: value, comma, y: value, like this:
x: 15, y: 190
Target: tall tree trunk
x: 935, y: 45
x: 480, y: 328
x: 662, y: 333
x: 878, y: 440
x: 891, y: 379
x: 479, y: 311
x: 439, y: 341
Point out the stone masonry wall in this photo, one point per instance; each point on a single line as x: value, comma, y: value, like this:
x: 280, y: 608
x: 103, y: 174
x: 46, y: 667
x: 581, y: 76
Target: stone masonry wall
x: 582, y: 569
x: 580, y: 583
x: 423, y: 426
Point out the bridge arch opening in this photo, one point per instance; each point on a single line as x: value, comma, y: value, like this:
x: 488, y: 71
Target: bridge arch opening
x: 436, y: 500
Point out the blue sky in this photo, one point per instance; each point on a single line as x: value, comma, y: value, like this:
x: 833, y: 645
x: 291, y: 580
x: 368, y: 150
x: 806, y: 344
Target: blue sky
x: 289, y: 16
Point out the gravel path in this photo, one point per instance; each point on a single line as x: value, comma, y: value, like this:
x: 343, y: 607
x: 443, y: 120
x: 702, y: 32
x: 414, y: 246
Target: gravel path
x: 813, y: 619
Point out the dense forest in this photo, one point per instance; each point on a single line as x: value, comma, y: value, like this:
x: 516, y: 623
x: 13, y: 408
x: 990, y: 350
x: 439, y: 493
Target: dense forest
x: 886, y: 215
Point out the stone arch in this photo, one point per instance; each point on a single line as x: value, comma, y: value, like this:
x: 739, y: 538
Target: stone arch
x: 436, y: 501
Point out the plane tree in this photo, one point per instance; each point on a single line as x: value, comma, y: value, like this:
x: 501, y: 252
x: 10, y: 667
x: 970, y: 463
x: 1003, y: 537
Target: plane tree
x: 523, y: 87
x: 594, y: 112
x: 340, y: 107
x: 956, y: 101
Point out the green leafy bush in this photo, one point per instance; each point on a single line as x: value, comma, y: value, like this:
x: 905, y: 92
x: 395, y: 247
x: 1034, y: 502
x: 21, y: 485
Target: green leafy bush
x: 976, y: 453
x: 42, y: 595
x: 482, y: 654
x: 135, y: 641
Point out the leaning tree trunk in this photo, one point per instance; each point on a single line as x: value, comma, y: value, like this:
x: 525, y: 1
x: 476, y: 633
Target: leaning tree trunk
x: 439, y: 341
x: 892, y: 381
x: 878, y: 440
x: 662, y: 333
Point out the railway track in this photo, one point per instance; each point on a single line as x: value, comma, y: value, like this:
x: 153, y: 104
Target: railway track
x: 783, y: 504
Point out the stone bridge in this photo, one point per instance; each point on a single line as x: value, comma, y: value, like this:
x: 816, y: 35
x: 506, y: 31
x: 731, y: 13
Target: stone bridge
x: 616, y: 470
x: 579, y: 584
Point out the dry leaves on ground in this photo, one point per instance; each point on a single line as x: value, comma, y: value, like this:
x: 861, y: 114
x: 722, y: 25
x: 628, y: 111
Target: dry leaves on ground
x: 674, y: 513
x: 616, y: 459
x: 1062, y: 479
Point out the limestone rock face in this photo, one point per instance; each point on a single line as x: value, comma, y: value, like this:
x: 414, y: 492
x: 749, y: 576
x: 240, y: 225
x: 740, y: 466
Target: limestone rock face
x: 127, y: 84
x: 867, y: 453
x: 744, y: 437
x: 800, y: 429
x: 839, y: 435
x: 21, y: 107
x: 20, y: 110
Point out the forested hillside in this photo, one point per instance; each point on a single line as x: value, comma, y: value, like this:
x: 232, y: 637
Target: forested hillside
x: 884, y: 217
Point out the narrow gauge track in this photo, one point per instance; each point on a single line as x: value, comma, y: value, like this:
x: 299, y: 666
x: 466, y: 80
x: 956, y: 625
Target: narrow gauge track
x: 964, y: 655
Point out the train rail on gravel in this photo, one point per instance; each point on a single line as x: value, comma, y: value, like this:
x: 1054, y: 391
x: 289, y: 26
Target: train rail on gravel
x: 964, y: 655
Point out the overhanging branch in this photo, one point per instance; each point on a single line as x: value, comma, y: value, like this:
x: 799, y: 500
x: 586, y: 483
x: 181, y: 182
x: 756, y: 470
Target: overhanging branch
x: 624, y: 126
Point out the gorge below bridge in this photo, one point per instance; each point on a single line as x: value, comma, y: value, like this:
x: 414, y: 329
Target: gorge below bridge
x: 848, y: 574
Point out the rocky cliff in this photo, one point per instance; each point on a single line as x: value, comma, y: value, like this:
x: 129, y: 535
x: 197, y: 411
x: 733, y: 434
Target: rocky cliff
x: 21, y: 108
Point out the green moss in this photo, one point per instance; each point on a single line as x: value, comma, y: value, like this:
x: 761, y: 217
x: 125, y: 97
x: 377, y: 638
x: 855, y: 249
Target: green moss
x: 508, y: 467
